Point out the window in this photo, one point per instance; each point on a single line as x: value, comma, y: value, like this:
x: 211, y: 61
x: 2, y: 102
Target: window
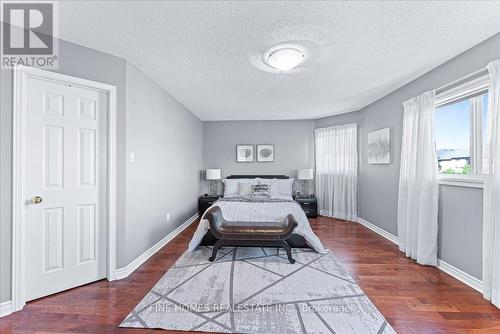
x: 452, y: 124
x: 337, y: 150
x: 460, y: 129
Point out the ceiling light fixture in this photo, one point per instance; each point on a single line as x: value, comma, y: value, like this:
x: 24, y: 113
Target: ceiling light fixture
x: 284, y: 59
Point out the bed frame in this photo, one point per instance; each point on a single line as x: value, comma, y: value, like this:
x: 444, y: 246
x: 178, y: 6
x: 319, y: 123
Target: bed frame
x: 258, y: 177
x: 295, y: 240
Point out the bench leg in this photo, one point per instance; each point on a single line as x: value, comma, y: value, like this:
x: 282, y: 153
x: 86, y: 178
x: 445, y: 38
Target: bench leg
x: 288, y: 250
x: 217, y: 245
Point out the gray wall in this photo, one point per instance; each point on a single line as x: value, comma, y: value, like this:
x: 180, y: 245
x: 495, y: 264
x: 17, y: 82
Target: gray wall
x: 167, y: 141
x: 460, y: 228
x: 347, y: 118
x: 293, y: 145
x: 5, y: 183
x: 94, y: 65
x: 460, y: 209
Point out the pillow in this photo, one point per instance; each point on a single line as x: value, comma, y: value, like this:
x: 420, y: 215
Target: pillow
x: 261, y: 191
x: 245, y: 189
x: 284, y: 187
x: 231, y: 186
x: 279, y: 188
x: 273, y: 186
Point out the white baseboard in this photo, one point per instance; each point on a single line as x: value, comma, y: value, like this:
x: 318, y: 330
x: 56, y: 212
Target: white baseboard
x: 125, y: 271
x: 6, y: 308
x: 389, y: 236
x: 460, y: 275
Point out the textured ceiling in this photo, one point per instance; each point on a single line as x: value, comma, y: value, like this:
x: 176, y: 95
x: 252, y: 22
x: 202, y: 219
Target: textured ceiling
x: 208, y: 55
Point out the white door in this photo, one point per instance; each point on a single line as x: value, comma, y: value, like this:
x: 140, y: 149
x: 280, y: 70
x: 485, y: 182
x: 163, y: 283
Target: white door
x: 65, y: 166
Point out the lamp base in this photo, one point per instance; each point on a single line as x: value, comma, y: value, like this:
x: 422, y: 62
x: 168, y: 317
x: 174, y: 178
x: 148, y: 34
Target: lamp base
x: 213, y: 188
x: 305, y: 188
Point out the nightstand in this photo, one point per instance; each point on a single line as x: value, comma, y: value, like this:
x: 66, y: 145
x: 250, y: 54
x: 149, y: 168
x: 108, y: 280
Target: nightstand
x: 309, y: 205
x: 204, y: 202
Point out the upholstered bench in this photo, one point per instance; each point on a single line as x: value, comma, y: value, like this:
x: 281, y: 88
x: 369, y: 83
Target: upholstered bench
x: 250, y: 234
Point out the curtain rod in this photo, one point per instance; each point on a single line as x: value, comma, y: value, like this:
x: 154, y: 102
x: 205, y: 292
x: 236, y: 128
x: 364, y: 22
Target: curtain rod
x: 474, y: 75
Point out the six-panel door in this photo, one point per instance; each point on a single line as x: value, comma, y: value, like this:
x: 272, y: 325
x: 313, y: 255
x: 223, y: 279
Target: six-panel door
x: 65, y: 165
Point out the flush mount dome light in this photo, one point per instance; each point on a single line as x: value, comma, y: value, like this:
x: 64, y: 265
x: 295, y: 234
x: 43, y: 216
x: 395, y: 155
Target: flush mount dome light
x: 285, y: 59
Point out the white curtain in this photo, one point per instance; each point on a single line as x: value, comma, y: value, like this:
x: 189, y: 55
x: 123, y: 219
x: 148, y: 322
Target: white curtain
x: 337, y: 171
x: 418, y: 188
x: 491, y: 194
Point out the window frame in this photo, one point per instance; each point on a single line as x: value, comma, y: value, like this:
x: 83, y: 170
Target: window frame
x: 472, y: 89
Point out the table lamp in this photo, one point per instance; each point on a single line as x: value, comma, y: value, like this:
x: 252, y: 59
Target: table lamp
x: 213, y: 175
x: 305, y: 175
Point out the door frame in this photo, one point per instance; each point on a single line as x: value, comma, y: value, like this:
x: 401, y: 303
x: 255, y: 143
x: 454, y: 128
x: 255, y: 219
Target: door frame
x: 21, y: 76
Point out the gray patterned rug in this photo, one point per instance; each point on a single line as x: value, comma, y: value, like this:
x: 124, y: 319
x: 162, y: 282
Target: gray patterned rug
x: 256, y: 290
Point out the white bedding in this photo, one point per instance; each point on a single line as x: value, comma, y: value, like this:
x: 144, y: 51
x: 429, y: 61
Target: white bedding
x: 261, y: 212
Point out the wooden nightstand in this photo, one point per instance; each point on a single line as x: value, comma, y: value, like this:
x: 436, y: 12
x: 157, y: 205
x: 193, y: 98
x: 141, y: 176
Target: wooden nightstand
x: 309, y: 205
x: 204, y: 202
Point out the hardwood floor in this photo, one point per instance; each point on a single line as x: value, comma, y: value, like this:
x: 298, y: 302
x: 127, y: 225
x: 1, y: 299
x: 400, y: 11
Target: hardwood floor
x: 413, y: 298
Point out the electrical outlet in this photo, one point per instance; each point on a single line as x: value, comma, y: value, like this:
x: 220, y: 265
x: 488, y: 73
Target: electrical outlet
x: 168, y: 216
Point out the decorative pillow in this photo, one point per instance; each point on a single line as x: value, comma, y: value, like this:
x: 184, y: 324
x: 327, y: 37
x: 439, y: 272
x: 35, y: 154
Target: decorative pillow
x: 273, y: 186
x: 261, y: 191
x: 231, y: 186
x: 245, y: 189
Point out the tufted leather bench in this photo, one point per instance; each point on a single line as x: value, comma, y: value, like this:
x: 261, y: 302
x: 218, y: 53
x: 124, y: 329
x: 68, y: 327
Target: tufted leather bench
x: 250, y: 234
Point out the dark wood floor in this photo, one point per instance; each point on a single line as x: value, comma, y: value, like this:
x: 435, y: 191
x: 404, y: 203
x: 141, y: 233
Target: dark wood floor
x: 413, y: 298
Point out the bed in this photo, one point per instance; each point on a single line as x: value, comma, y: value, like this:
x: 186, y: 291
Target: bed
x: 239, y: 207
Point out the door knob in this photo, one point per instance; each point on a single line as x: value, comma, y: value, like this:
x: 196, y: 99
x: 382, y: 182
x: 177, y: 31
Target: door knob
x: 36, y: 200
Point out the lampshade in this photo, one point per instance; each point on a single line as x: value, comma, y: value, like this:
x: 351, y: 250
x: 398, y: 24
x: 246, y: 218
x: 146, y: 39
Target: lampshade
x: 213, y: 174
x: 305, y: 174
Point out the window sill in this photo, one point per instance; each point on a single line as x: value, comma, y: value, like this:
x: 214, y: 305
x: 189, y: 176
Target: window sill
x: 461, y: 181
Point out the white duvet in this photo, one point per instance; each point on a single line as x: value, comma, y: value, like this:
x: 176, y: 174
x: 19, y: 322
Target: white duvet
x: 260, y: 212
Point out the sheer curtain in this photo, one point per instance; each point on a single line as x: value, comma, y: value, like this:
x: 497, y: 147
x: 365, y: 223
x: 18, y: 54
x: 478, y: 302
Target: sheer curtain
x: 418, y: 188
x: 491, y: 194
x: 337, y: 171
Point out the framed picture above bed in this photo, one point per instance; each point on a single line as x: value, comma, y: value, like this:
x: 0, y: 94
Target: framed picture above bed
x: 265, y: 153
x: 244, y: 153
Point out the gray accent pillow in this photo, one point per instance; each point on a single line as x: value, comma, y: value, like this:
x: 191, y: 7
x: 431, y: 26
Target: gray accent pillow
x: 261, y: 191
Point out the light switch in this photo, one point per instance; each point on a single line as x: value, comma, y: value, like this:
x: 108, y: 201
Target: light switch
x: 132, y: 157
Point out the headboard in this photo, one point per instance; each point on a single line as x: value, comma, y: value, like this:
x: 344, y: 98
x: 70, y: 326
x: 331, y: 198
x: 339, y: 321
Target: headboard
x: 258, y: 176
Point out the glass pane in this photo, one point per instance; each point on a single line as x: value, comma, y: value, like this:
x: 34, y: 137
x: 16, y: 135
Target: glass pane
x: 453, y: 138
x: 485, y: 116
x: 486, y: 152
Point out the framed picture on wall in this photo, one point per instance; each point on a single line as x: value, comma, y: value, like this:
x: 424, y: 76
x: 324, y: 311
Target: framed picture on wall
x: 379, y: 147
x: 265, y: 153
x: 244, y: 153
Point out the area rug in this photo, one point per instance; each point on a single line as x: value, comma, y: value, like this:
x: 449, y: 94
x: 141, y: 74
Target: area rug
x: 256, y: 290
